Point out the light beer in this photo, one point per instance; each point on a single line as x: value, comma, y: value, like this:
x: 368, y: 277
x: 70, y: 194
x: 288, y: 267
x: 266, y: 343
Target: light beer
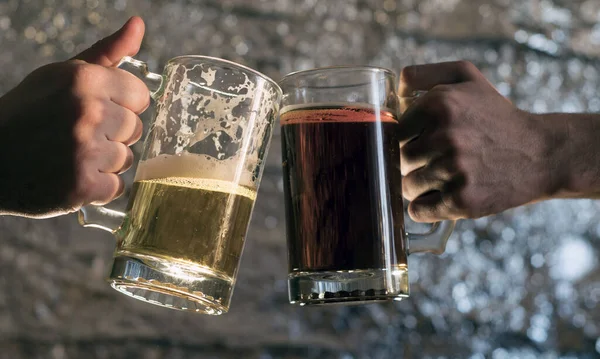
x: 202, y: 221
x: 187, y: 227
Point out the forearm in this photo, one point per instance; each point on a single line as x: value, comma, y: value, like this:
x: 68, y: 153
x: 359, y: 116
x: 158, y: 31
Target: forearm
x: 574, y: 154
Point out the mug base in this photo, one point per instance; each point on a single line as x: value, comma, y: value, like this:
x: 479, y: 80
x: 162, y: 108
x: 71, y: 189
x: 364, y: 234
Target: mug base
x: 180, y: 286
x: 348, y: 286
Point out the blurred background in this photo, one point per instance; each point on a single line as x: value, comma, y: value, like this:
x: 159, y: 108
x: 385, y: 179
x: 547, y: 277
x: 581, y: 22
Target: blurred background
x: 524, y: 284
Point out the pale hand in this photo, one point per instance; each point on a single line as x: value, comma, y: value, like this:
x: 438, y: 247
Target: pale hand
x: 65, y: 130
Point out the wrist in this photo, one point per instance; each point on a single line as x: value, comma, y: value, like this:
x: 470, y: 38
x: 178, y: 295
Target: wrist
x: 573, y: 154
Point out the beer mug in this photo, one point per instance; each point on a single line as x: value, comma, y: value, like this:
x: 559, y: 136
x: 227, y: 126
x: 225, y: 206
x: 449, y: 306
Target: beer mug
x: 343, y: 193
x: 180, y: 240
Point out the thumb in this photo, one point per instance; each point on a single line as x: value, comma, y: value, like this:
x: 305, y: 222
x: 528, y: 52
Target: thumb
x: 125, y: 42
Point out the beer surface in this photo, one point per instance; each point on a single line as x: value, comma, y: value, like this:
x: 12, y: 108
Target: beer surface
x: 343, y: 188
x: 198, y: 169
x: 331, y: 112
x: 201, y: 221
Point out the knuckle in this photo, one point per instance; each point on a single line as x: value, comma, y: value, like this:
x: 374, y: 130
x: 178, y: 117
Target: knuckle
x: 408, y: 73
x: 461, y: 162
x: 139, y: 92
x: 446, y: 171
x: 83, y: 77
x: 451, y: 201
x: 442, y: 88
x: 466, y: 67
x: 92, y: 107
x: 75, y: 62
x: 91, y: 113
x: 459, y: 203
x: 445, y: 103
x: 81, y: 138
x: 444, y: 167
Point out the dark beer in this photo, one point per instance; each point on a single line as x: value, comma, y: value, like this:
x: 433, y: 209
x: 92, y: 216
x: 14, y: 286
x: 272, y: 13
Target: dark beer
x: 343, y: 189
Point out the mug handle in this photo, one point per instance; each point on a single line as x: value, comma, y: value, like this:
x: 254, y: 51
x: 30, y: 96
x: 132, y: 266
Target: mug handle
x: 433, y: 241
x: 98, y: 216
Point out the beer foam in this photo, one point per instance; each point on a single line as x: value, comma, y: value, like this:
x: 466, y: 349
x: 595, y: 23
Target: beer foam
x: 336, y: 112
x: 207, y: 185
x: 197, y: 167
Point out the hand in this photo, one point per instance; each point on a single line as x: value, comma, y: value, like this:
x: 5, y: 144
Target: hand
x: 65, y: 130
x: 466, y: 151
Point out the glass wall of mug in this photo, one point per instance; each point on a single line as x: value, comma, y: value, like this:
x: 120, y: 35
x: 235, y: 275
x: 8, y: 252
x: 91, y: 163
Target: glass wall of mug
x: 181, y: 238
x: 343, y: 190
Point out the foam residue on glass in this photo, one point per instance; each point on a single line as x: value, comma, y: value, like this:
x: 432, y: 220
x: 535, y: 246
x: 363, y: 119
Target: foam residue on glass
x: 211, y: 128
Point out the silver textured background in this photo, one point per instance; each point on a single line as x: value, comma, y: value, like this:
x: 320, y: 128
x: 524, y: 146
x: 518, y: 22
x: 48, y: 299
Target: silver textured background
x: 524, y: 284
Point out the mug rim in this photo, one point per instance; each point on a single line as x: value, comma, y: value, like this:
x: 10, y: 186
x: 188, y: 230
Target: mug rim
x: 229, y: 62
x: 337, y: 67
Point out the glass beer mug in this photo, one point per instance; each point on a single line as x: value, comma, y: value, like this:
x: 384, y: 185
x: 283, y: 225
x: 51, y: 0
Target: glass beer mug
x: 343, y: 192
x: 180, y: 240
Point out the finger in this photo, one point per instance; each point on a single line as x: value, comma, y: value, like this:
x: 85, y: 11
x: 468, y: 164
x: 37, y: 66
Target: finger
x: 108, y: 187
x: 137, y: 133
x: 116, y: 158
x: 421, y: 151
x: 415, y: 119
x: 430, y: 207
x: 125, y: 42
x: 410, y: 162
x: 424, y: 77
x: 127, y: 90
x: 121, y: 124
x: 432, y: 177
